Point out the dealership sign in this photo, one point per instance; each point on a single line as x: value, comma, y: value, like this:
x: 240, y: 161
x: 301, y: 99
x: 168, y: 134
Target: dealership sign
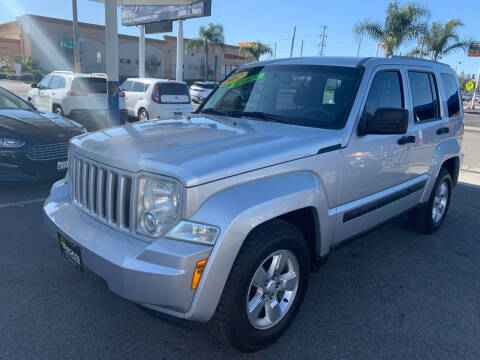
x: 138, y: 15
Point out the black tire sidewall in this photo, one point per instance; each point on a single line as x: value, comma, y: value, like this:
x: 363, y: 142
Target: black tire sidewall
x: 58, y: 110
x: 243, y: 335
x: 140, y: 113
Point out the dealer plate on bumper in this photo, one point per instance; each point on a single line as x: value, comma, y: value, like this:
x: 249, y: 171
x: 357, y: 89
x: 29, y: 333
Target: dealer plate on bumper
x: 70, y: 251
x: 62, y: 165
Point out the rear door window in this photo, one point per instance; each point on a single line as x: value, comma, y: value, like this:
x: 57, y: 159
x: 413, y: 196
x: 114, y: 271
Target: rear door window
x: 385, y: 92
x: 424, y: 96
x: 91, y: 85
x: 452, y: 97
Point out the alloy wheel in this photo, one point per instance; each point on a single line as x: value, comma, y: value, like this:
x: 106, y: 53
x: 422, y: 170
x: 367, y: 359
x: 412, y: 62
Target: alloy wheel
x: 272, y: 289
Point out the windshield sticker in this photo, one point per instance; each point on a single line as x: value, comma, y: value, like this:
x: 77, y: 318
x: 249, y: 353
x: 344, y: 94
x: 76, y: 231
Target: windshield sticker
x: 233, y: 79
x: 247, y: 80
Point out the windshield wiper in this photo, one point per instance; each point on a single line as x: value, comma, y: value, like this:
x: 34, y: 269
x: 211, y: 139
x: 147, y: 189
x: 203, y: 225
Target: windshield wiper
x: 213, y: 111
x: 261, y: 115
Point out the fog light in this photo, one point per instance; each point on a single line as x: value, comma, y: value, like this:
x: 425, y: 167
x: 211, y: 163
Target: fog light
x: 150, y: 222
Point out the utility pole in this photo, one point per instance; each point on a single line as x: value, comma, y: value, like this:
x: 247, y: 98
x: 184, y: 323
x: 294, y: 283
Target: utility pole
x: 275, y: 52
x: 376, y: 50
x: 76, y: 45
x: 359, y: 44
x: 111, y: 57
x: 141, y: 52
x: 293, y: 40
x: 322, y: 44
x: 301, y: 49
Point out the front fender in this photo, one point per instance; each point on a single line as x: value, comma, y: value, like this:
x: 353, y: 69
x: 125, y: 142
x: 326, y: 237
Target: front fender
x: 240, y: 209
x: 444, y: 151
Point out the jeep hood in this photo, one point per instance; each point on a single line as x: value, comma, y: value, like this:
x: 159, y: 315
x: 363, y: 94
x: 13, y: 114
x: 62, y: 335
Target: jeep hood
x: 199, y: 149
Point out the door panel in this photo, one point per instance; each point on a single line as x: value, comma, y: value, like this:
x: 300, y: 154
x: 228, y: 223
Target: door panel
x: 374, y: 165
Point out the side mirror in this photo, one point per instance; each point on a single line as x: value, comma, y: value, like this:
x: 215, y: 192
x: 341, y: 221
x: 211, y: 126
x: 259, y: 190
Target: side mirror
x: 385, y: 121
x: 34, y: 85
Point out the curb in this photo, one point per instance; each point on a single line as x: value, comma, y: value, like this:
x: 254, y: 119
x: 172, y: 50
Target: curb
x: 472, y: 128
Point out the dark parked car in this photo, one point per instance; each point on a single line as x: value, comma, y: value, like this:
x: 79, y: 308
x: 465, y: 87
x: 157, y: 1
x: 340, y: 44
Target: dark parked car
x: 33, y: 144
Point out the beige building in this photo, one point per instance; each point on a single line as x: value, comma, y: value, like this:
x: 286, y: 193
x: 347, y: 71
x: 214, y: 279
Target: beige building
x: 49, y: 42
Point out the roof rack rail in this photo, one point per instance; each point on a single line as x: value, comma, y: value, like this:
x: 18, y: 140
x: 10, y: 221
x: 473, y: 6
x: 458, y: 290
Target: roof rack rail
x: 97, y: 74
x: 416, y: 58
x: 62, y: 72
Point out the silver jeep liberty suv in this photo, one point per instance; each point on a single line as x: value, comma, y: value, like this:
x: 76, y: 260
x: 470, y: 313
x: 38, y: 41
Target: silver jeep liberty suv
x: 222, y: 215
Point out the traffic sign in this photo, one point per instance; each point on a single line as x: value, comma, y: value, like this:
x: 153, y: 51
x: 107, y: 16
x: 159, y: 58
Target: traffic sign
x: 66, y: 44
x: 469, y: 86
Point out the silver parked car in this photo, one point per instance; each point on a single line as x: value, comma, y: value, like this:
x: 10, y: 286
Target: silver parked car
x: 221, y: 216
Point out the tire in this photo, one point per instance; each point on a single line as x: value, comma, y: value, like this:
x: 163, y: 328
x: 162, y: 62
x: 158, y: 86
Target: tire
x: 57, y: 109
x: 427, y: 218
x: 272, y: 241
x: 143, y: 115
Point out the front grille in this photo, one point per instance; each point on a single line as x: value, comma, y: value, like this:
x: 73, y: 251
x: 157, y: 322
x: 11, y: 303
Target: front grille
x: 103, y: 192
x: 52, y: 151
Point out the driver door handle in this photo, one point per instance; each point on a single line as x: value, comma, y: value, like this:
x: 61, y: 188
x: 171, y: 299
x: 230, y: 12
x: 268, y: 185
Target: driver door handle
x: 406, y: 140
x: 443, y: 130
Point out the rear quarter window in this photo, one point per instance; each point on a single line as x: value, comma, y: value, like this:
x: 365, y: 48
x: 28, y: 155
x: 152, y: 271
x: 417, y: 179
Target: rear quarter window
x: 452, y: 95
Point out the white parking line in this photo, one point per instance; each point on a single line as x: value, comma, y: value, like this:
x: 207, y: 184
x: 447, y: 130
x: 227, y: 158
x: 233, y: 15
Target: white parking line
x: 21, y: 203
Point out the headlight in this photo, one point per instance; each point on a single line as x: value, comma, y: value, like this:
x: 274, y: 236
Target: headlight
x: 11, y: 143
x: 158, y: 207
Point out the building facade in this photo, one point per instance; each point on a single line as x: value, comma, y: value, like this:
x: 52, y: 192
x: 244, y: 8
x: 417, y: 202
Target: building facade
x: 49, y: 41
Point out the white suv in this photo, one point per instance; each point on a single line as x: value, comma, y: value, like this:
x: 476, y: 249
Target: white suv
x: 82, y: 97
x: 156, y: 98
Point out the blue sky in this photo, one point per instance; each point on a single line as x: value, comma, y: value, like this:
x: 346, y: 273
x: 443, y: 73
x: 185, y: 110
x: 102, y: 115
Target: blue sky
x: 270, y: 21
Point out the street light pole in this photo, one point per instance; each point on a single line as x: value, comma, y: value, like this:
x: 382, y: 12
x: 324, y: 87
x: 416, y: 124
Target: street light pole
x: 293, y: 41
x: 179, y: 72
x: 111, y: 57
x: 141, y: 52
x: 76, y: 45
x: 472, y: 105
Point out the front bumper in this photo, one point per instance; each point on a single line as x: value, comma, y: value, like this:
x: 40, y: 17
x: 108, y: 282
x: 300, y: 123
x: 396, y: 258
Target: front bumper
x: 16, y: 166
x: 157, y: 275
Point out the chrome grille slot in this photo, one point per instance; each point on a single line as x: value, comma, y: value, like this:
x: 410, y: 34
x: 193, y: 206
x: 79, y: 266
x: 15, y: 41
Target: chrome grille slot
x: 51, y: 151
x: 102, y: 192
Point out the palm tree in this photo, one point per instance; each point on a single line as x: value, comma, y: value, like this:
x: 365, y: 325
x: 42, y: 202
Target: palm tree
x: 440, y: 39
x: 401, y: 24
x: 211, y: 34
x: 256, y: 50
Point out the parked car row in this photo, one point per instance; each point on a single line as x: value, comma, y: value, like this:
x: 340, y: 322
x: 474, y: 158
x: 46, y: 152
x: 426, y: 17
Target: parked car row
x: 81, y: 97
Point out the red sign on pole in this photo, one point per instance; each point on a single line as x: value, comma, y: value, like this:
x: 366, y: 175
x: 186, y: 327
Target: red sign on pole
x: 474, y: 50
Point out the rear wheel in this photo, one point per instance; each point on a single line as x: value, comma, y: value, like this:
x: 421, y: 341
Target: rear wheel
x: 427, y: 218
x: 142, y: 115
x: 265, y: 288
x: 57, y: 109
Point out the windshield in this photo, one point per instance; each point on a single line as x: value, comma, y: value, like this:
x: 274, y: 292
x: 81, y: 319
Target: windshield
x: 12, y: 102
x: 306, y: 95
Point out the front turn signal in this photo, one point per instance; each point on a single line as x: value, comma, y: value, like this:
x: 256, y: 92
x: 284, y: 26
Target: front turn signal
x: 198, y: 272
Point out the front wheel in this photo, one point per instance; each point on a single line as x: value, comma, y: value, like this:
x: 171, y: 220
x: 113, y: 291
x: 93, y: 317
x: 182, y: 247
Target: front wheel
x: 265, y: 288
x: 427, y: 218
